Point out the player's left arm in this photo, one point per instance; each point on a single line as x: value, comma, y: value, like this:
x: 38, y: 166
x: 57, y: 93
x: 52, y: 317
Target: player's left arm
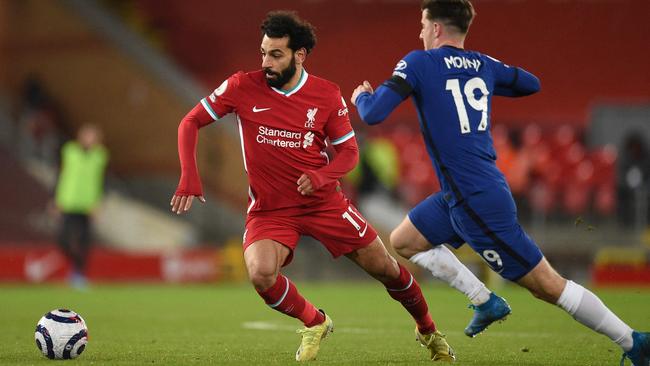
x: 512, y: 81
x: 339, y: 130
x: 347, y: 157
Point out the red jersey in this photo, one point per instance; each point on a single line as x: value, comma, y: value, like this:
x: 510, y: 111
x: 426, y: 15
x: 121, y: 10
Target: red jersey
x: 283, y: 134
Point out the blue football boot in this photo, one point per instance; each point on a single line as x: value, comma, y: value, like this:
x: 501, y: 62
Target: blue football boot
x: 496, y: 308
x: 640, y: 352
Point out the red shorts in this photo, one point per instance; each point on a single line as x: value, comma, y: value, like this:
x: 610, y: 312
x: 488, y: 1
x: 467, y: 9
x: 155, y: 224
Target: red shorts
x: 339, y: 226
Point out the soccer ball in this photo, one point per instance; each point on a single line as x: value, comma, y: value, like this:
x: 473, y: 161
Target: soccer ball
x: 61, y: 334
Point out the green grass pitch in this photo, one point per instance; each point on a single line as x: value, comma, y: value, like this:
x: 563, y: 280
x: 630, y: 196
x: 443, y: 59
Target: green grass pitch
x: 229, y: 325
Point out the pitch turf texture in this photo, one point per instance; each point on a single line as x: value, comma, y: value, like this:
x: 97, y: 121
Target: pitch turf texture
x: 229, y: 324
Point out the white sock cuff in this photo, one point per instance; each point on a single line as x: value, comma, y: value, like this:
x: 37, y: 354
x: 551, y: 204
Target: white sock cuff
x: 443, y: 265
x: 571, y: 297
x: 421, y: 258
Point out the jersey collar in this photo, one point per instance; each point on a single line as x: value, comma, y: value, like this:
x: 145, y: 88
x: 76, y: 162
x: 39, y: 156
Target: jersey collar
x: 294, y: 90
x: 452, y: 47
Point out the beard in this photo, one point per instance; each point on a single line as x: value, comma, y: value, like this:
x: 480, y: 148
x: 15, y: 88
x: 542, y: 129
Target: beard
x: 279, y: 79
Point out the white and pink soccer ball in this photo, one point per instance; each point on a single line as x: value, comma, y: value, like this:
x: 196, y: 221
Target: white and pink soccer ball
x: 61, y: 334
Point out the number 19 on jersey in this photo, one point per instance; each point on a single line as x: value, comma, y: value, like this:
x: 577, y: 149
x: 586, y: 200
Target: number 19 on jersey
x: 480, y: 104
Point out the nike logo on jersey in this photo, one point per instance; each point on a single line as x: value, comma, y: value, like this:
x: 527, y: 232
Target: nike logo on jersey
x: 257, y: 110
x: 363, y: 233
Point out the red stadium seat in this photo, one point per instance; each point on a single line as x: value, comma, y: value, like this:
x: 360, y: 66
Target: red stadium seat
x: 542, y: 198
x: 605, y: 200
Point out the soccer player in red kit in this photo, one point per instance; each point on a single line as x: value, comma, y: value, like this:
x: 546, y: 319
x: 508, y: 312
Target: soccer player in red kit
x: 285, y: 117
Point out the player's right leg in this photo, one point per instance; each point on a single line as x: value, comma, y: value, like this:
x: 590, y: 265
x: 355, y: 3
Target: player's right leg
x: 431, y: 218
x: 264, y: 258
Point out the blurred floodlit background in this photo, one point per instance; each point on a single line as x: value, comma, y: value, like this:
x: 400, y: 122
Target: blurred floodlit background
x: 576, y: 155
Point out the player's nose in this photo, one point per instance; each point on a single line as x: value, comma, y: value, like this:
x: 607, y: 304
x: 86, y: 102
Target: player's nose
x: 266, y: 62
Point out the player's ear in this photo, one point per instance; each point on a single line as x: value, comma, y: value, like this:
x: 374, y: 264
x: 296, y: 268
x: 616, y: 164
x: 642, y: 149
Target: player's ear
x: 300, y: 55
x: 437, y: 29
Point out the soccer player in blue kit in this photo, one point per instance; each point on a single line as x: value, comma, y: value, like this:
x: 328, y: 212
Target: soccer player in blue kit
x: 452, y: 90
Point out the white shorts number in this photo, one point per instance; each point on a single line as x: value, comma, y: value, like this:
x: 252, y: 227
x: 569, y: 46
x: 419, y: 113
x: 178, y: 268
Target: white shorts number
x: 346, y: 215
x: 493, y: 257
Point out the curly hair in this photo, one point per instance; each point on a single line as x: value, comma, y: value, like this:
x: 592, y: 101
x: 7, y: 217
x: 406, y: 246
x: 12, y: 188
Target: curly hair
x: 458, y: 13
x: 283, y: 23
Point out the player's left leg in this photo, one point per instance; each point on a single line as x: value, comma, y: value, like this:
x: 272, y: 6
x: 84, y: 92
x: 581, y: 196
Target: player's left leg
x: 488, y: 221
x: 66, y: 237
x: 378, y: 263
x: 402, y: 287
x: 83, y: 248
x: 585, y: 307
x: 344, y: 231
x: 420, y: 237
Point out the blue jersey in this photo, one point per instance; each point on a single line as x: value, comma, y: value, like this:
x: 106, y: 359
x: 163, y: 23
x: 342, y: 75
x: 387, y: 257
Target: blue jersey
x: 452, y: 90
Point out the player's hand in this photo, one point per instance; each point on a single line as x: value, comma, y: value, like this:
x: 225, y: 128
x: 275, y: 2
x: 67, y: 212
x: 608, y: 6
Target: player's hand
x: 304, y: 185
x: 182, y: 204
x: 52, y: 209
x: 363, y: 88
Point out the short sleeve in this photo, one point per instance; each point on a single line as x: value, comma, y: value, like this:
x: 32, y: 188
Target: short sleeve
x: 338, y: 127
x: 223, y: 99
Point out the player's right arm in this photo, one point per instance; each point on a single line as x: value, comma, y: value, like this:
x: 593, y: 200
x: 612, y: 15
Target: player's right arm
x: 210, y: 109
x: 512, y: 81
x: 374, y: 107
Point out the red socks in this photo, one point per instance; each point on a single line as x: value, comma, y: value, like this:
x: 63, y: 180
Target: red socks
x: 407, y: 291
x: 284, y: 297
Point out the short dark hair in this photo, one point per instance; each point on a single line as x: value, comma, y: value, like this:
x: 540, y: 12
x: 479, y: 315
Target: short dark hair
x: 458, y: 13
x: 283, y: 23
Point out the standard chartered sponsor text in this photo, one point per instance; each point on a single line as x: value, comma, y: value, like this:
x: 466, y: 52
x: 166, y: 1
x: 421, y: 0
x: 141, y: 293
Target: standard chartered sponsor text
x: 294, y: 137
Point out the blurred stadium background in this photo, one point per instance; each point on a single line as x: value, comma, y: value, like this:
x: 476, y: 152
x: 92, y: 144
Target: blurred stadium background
x: 577, y: 155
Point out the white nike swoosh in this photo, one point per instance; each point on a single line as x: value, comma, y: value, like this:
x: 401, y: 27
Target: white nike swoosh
x: 38, y: 269
x: 256, y: 110
x: 362, y: 233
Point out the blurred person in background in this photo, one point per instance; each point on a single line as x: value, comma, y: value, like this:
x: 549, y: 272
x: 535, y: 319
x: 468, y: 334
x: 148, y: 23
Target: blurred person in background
x: 633, y: 181
x: 379, y: 162
x: 285, y: 117
x: 452, y: 90
x: 39, y: 131
x: 79, y: 193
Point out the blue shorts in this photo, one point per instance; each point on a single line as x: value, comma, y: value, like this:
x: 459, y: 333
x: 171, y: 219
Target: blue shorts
x: 487, y: 221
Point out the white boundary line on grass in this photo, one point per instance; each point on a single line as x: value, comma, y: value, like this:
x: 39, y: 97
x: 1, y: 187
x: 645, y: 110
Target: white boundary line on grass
x: 273, y: 326
x: 266, y: 325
